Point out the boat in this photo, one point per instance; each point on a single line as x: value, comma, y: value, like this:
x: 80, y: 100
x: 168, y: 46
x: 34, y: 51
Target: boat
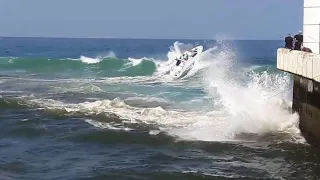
x: 186, y: 62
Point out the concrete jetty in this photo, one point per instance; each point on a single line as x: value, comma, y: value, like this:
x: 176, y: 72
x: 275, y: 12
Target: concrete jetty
x: 305, y: 68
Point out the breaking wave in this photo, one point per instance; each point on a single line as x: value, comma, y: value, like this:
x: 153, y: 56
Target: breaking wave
x: 241, y: 99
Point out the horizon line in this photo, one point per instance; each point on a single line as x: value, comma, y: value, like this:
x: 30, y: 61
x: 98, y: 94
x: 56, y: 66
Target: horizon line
x: 133, y: 38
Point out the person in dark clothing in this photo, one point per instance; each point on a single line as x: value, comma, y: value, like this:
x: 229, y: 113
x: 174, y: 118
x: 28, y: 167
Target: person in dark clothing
x: 298, y: 41
x: 178, y: 61
x: 183, y: 57
x: 289, y: 41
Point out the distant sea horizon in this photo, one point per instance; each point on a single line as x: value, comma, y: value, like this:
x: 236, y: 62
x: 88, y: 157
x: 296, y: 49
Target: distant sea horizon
x: 135, y: 38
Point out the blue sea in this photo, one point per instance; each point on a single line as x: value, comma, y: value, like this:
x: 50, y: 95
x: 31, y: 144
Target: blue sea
x: 108, y: 109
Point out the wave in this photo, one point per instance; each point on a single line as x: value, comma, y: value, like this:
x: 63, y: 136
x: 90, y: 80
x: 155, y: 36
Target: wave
x: 101, y: 67
x: 116, y: 114
x: 248, y: 98
x: 109, y: 65
x: 242, y: 97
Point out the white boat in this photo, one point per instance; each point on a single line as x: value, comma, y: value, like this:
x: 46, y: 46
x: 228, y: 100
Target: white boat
x: 187, y: 60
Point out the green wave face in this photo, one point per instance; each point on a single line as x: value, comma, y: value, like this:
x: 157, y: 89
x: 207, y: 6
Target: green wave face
x: 107, y: 67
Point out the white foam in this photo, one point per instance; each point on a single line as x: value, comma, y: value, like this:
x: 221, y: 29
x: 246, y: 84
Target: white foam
x: 248, y: 106
x: 105, y: 125
x: 89, y: 60
x: 148, y: 99
x: 244, y: 107
x: 76, y: 87
x: 98, y: 59
x: 132, y: 62
x: 135, y: 62
x: 188, y: 125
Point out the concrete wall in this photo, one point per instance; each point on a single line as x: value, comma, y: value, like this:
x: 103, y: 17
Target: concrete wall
x: 311, y: 25
x: 306, y: 101
x: 299, y: 63
x: 305, y: 68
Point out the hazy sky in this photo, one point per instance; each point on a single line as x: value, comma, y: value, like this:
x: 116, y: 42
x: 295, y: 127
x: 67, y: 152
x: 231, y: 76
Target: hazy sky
x: 205, y: 19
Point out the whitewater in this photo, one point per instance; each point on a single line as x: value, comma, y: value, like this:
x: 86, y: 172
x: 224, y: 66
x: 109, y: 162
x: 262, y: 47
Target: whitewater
x: 230, y: 105
x: 122, y: 102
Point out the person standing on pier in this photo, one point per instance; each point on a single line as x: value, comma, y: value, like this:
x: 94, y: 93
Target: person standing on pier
x: 298, y: 41
x: 289, y: 41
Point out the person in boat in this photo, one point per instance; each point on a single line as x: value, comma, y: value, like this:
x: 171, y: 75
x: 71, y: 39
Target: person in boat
x: 178, y: 61
x: 184, y: 57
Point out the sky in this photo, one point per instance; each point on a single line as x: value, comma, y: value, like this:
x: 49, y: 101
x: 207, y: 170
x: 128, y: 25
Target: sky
x: 187, y: 19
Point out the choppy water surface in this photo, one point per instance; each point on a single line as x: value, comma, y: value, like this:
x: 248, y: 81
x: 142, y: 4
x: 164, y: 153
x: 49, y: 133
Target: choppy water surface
x: 102, y: 109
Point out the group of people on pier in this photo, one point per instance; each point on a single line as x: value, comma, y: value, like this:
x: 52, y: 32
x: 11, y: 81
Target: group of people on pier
x: 295, y: 43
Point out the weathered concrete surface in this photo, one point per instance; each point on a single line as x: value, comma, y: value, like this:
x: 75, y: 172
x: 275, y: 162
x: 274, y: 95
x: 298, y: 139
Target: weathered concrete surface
x: 306, y: 101
x: 300, y: 63
x: 305, y: 68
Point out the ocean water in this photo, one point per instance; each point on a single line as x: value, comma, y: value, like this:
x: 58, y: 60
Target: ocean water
x: 107, y: 109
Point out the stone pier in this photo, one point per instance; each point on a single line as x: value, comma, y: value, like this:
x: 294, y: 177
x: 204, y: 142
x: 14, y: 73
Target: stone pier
x: 305, y: 68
